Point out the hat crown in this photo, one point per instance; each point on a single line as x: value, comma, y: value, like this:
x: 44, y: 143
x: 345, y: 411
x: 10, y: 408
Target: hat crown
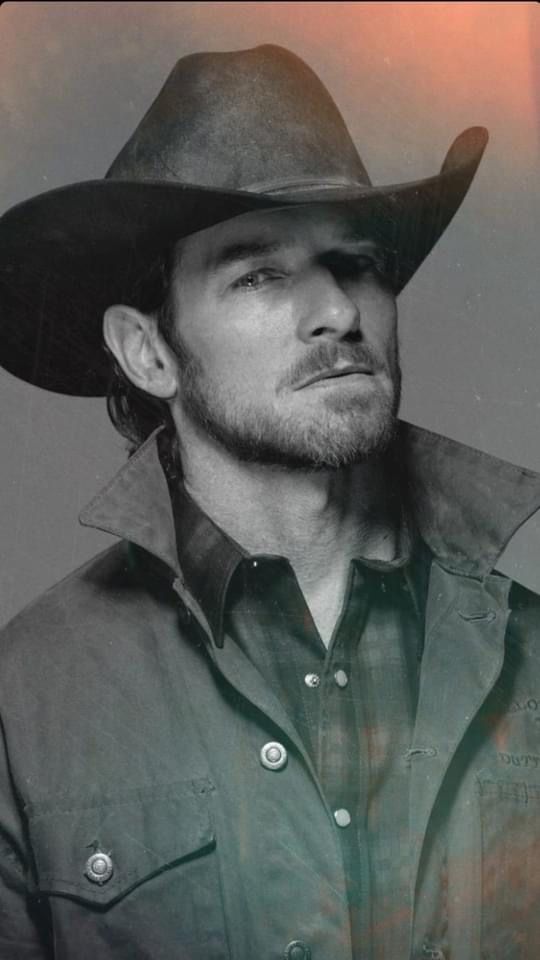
x: 241, y: 121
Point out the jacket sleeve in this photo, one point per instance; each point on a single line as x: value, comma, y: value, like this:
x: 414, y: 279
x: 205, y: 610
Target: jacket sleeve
x: 24, y: 923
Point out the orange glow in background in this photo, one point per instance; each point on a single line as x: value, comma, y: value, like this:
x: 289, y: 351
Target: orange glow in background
x: 450, y: 64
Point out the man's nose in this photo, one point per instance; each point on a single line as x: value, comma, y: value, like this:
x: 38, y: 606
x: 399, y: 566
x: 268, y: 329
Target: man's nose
x: 328, y: 309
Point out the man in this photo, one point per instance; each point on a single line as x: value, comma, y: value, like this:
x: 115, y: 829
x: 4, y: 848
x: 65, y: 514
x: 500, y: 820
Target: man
x: 292, y: 713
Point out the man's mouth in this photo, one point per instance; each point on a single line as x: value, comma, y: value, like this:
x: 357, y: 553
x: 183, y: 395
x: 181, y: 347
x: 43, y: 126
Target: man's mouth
x: 346, y: 370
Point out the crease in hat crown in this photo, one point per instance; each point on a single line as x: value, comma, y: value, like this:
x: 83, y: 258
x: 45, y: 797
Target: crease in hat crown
x: 242, y: 121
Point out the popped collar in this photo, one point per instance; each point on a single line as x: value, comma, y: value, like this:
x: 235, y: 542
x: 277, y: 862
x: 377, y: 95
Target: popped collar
x: 451, y: 490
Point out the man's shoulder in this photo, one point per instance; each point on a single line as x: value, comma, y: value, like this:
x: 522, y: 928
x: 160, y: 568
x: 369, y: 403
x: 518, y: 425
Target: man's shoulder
x: 89, y: 601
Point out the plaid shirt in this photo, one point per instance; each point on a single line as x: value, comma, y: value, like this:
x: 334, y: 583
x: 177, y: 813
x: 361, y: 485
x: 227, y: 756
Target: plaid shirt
x: 353, y: 704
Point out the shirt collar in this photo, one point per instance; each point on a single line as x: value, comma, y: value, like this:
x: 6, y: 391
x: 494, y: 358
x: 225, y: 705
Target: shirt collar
x: 208, y: 558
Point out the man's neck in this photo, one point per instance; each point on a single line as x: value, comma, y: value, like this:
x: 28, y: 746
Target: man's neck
x: 319, y: 520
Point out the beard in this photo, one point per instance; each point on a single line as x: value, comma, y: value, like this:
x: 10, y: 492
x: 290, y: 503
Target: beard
x: 349, y: 429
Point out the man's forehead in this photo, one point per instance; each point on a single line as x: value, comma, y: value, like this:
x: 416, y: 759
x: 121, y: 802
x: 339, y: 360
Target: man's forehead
x: 264, y: 232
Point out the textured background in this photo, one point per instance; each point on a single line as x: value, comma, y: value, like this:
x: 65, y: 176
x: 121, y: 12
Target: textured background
x: 76, y: 77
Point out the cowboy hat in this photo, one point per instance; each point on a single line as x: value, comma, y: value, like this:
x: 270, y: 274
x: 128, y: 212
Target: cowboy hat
x: 228, y: 133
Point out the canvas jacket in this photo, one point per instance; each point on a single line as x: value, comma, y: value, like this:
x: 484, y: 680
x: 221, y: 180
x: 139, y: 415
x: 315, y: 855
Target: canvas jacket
x: 129, y: 733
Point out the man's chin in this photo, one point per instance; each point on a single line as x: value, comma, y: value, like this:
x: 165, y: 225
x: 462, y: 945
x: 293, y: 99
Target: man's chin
x: 314, y: 447
x: 343, y: 437
x: 339, y: 451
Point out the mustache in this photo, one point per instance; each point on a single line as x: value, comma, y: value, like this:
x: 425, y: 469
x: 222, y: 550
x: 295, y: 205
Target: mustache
x: 326, y: 356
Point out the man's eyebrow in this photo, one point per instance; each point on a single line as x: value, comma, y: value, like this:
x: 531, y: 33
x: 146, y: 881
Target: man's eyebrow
x: 249, y: 249
x: 244, y: 250
x: 360, y: 240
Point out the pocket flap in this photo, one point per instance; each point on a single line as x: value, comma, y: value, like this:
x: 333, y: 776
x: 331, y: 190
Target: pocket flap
x: 140, y: 832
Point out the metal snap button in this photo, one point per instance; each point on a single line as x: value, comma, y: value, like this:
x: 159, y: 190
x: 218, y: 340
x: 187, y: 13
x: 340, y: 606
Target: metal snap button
x: 312, y: 680
x: 273, y: 755
x: 341, y: 678
x: 99, y: 867
x: 342, y: 817
x: 432, y: 953
x: 297, y: 950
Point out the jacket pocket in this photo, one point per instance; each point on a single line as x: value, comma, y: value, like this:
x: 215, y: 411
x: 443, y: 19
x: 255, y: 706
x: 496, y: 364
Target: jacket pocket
x: 510, y: 825
x: 131, y: 875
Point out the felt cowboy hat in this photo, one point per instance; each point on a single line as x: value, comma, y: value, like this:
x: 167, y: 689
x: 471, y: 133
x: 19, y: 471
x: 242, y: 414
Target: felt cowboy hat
x: 228, y: 133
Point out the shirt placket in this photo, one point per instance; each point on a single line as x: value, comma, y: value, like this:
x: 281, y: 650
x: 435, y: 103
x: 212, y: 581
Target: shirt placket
x: 343, y: 742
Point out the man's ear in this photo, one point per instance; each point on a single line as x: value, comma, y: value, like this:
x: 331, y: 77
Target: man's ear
x: 133, y: 338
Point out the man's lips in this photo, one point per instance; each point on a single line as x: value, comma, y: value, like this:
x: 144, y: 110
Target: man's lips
x: 334, y: 372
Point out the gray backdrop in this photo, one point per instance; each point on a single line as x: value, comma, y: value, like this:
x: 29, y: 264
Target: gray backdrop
x: 76, y: 77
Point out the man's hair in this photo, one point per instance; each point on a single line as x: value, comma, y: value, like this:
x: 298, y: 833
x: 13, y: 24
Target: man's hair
x: 134, y: 413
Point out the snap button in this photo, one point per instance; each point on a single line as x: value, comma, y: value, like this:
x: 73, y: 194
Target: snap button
x: 432, y: 953
x: 273, y: 755
x: 297, y: 950
x: 312, y: 679
x: 99, y: 867
x: 342, y: 817
x: 341, y: 678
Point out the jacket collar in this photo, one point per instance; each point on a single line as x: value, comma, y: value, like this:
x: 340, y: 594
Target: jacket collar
x: 136, y: 506
x: 466, y: 504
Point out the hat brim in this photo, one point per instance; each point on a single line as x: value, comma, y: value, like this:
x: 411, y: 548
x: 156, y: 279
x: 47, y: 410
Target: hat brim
x: 68, y: 254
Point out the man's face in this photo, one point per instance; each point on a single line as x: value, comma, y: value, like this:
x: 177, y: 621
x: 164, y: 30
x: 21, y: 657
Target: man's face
x: 286, y: 338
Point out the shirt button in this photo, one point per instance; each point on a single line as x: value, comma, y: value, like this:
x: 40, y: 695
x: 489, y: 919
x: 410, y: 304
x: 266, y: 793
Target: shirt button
x: 342, y: 817
x: 99, y: 867
x: 341, y: 678
x: 297, y: 950
x: 273, y: 756
x: 312, y: 679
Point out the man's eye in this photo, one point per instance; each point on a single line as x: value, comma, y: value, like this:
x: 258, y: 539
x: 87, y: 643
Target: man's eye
x: 254, y: 279
x: 352, y: 267
x: 378, y: 264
